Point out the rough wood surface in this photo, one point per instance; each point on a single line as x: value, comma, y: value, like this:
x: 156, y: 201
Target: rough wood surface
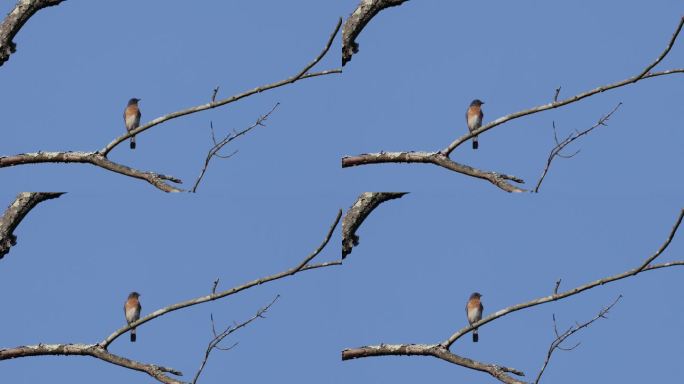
x: 16, y: 212
x: 362, y: 207
x: 16, y: 19
x: 362, y: 15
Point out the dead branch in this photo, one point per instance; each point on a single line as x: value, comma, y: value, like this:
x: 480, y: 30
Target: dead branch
x: 302, y: 74
x: 571, y: 292
x: 362, y: 15
x: 93, y: 158
x: 560, y: 145
x: 645, y: 74
x: 218, y: 145
x: 99, y: 158
x: 15, y: 213
x: 100, y: 350
x: 436, y: 158
x: 561, y: 337
x: 302, y: 266
x: 15, y: 20
x: 433, y: 349
x: 357, y: 213
x: 93, y: 350
x: 218, y: 337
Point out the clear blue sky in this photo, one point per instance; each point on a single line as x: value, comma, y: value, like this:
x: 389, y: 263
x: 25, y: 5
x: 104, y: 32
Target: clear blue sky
x: 263, y: 210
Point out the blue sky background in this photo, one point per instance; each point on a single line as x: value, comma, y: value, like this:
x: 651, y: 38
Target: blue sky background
x: 266, y: 208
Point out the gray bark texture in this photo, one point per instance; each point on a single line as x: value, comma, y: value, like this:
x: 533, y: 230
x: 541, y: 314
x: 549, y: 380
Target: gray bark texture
x: 16, y: 212
x: 362, y: 207
x: 362, y: 15
x: 15, y: 20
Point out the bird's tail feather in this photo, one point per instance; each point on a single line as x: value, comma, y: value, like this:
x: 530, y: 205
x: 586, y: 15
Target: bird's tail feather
x: 133, y: 142
x: 133, y: 337
x: 475, y: 143
x: 476, y: 337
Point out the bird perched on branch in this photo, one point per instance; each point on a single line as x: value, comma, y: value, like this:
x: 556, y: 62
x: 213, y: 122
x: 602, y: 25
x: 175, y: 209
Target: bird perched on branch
x: 132, y: 311
x: 132, y: 117
x: 474, y: 118
x: 474, y: 312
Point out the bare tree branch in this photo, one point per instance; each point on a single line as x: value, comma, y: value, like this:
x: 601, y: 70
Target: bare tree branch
x: 302, y: 266
x: 560, y: 145
x: 560, y: 338
x: 218, y: 337
x: 434, y: 350
x: 15, y: 213
x: 675, y: 227
x: 302, y: 74
x: 441, y: 158
x: 558, y: 296
x: 218, y: 145
x: 15, y: 20
x: 156, y: 179
x: 362, y: 207
x: 93, y: 350
x: 100, y: 350
x: 436, y: 158
x: 362, y: 15
x: 100, y: 159
x: 441, y: 350
x: 645, y: 74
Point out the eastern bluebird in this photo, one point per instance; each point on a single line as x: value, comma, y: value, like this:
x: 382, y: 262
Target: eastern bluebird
x: 474, y: 312
x: 474, y: 118
x: 132, y: 311
x: 132, y: 117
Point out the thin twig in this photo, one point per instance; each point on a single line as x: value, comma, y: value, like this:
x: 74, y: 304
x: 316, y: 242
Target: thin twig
x: 158, y: 372
x: 158, y: 180
x: 560, y: 145
x: 546, y: 299
x: 302, y: 266
x: 667, y: 242
x: 213, y: 95
x: 215, y: 150
x: 302, y: 74
x: 441, y: 350
x: 560, y: 338
x: 558, y: 283
x: 218, y: 338
x: 642, y: 75
x: 441, y: 158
